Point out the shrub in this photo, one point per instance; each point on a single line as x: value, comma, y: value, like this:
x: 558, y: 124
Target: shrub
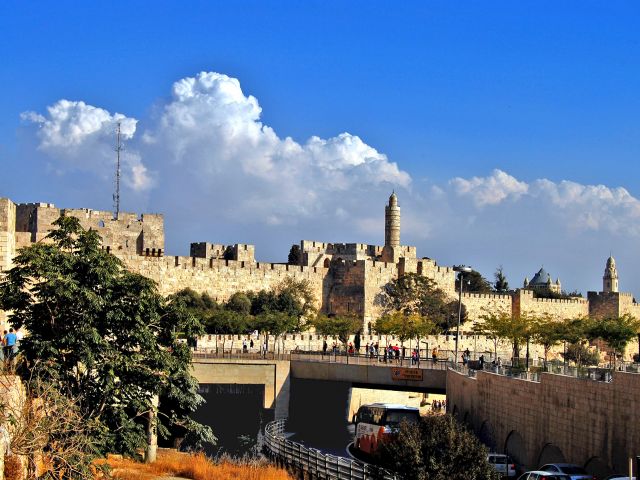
x: 436, y: 448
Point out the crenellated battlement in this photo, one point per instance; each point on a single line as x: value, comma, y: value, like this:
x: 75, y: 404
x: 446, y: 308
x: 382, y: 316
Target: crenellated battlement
x: 487, y: 296
x: 346, y: 278
x: 529, y: 294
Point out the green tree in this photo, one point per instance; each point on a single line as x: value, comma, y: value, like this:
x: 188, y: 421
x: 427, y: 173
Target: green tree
x: 405, y: 326
x: 295, y: 255
x: 546, y: 331
x: 105, y: 335
x: 494, y: 325
x: 574, y: 332
x: 337, y: 326
x: 275, y: 323
x: 416, y: 294
x: 581, y: 354
x: 474, y: 282
x: 501, y: 285
x: 616, y: 332
x: 436, y: 448
x: 240, y: 303
x: 502, y: 325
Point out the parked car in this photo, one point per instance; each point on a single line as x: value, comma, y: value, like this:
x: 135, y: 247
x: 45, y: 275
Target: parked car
x: 503, y: 464
x: 574, y: 471
x: 542, y: 475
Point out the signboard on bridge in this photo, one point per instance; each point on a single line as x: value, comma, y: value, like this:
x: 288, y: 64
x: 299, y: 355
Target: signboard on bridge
x: 400, y: 373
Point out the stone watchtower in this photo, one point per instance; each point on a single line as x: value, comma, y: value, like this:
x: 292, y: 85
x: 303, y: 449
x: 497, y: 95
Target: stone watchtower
x: 610, y: 277
x: 392, y: 250
x: 392, y: 222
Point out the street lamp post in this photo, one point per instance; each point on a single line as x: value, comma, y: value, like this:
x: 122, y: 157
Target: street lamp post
x: 461, y: 269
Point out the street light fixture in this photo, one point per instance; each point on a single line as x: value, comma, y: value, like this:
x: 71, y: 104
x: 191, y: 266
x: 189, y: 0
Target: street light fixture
x: 461, y: 269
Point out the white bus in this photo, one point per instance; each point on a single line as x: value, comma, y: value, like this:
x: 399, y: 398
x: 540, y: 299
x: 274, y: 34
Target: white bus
x: 378, y: 422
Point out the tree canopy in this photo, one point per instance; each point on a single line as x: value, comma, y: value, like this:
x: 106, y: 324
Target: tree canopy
x: 501, y: 284
x: 405, y: 326
x: 413, y: 294
x: 285, y: 308
x: 104, y: 335
x: 295, y: 255
x: 474, y: 282
x: 436, y: 448
x: 337, y: 326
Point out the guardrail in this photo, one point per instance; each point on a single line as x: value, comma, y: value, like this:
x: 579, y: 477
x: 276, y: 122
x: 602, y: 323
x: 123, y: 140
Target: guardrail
x: 597, y: 374
x: 351, y: 359
x: 312, y: 463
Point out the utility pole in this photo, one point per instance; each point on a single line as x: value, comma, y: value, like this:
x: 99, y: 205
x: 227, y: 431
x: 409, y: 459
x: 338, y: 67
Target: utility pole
x: 116, y: 194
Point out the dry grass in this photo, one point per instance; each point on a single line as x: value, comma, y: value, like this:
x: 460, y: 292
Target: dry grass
x: 195, y: 467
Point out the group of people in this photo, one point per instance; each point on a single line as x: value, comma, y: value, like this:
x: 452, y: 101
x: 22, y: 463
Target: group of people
x: 246, y: 346
x: 438, y: 405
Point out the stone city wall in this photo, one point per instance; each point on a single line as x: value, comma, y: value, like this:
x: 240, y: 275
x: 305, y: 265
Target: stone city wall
x: 143, y: 235
x: 479, y: 304
x: 524, y: 303
x: 589, y: 423
x: 221, y: 278
x: 7, y: 233
x: 7, y: 239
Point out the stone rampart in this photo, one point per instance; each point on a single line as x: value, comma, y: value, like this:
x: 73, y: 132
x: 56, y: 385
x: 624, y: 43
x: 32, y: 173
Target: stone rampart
x: 589, y: 423
x: 142, y: 235
x: 479, y: 304
x: 221, y: 278
x: 7, y: 233
x: 524, y: 303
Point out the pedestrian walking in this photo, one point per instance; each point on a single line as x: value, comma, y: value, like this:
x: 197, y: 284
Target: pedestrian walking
x: 9, y: 343
x: 434, y: 354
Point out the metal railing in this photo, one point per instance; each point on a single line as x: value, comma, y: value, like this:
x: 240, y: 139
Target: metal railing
x: 312, y: 463
x: 597, y: 374
x: 351, y: 359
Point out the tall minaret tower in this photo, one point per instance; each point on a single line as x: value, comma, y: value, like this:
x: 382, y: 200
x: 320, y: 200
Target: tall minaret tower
x: 392, y: 222
x: 610, y: 278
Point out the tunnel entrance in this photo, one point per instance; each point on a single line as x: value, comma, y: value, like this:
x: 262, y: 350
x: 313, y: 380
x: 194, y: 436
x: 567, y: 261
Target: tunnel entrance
x: 236, y: 415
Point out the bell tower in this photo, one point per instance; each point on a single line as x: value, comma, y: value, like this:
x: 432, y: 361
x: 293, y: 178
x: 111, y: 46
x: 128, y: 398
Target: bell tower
x: 610, y: 278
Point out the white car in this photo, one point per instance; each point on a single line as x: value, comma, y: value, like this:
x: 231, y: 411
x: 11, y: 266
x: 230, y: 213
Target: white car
x: 573, y: 471
x: 542, y: 475
x: 502, y: 464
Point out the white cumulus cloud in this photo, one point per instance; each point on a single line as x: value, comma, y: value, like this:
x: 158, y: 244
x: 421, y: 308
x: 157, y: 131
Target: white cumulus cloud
x: 82, y: 136
x: 211, y: 137
x: 491, y: 190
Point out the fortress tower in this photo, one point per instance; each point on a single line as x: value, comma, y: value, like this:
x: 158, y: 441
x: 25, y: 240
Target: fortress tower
x: 392, y: 222
x: 610, y: 277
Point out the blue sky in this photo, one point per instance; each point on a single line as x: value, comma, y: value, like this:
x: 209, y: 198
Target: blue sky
x: 520, y: 96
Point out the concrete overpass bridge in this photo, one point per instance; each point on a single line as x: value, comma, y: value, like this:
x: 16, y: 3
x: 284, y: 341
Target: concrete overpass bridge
x: 550, y: 418
x: 276, y: 372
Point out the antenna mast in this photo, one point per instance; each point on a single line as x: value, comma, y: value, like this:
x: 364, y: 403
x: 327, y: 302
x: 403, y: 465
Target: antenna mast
x: 116, y: 195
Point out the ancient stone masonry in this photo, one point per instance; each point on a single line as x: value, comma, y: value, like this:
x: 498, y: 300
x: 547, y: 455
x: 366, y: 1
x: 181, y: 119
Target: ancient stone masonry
x: 347, y: 278
x: 558, y: 419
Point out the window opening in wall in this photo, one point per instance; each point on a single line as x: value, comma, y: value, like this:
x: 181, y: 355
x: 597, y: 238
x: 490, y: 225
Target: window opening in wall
x: 147, y: 252
x: 101, y: 223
